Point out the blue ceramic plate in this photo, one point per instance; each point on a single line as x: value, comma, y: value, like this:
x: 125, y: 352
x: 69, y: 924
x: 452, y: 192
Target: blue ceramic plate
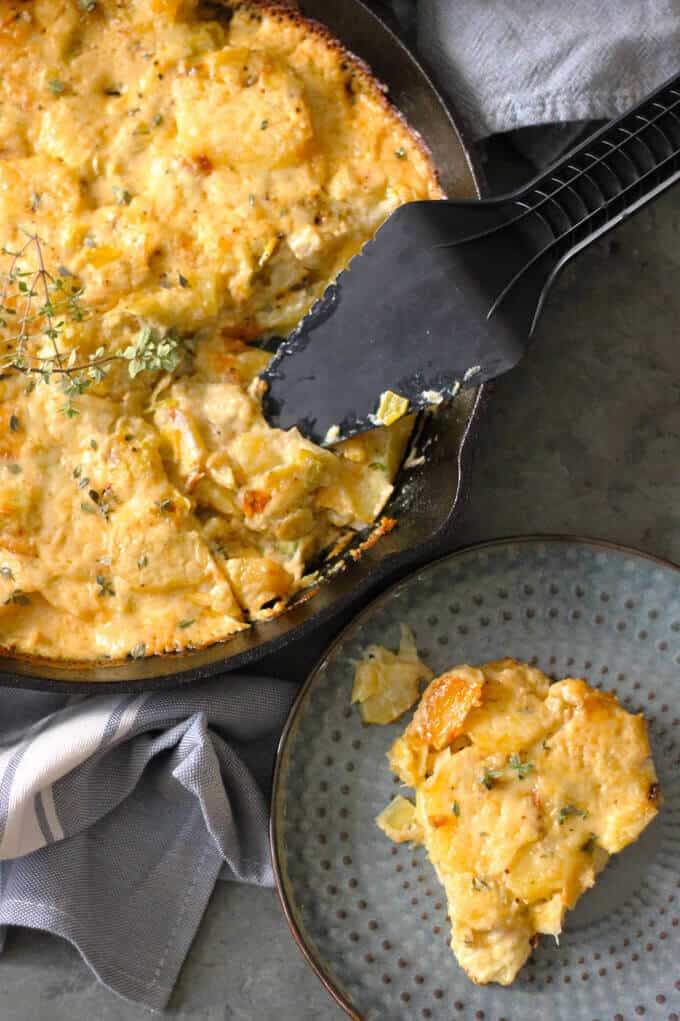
x: 371, y: 916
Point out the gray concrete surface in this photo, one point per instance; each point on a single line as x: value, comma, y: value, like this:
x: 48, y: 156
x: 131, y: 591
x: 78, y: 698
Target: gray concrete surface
x: 583, y: 438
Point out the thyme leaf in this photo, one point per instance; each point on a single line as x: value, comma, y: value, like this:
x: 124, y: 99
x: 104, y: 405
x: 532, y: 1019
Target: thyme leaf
x: 489, y: 776
x: 154, y: 352
x: 105, y: 586
x: 35, y: 304
x: 570, y: 810
x: 521, y: 768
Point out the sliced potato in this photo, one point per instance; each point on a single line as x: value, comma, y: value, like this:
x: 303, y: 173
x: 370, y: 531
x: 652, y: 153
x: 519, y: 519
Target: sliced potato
x: 386, y: 683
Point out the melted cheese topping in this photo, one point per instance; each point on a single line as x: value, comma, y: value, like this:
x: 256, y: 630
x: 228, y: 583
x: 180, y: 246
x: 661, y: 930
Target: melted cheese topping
x: 523, y: 789
x: 206, y: 177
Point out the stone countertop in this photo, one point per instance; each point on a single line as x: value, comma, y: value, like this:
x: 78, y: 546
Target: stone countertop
x: 584, y: 438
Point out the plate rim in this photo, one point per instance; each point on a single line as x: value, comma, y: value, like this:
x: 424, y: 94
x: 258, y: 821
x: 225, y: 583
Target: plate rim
x: 533, y: 538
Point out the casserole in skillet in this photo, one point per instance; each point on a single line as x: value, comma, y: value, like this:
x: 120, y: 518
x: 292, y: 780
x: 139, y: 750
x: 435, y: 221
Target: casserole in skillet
x: 171, y: 238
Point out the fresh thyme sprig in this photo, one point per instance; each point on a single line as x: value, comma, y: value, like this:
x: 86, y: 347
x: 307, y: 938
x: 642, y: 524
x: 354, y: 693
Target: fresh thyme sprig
x: 152, y: 351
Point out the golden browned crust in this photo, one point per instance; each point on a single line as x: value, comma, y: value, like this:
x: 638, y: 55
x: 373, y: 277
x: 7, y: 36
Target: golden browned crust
x: 384, y: 526
x: 288, y: 11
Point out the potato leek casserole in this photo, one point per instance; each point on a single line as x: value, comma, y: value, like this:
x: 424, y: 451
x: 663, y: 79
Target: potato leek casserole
x: 523, y: 790
x: 175, y: 183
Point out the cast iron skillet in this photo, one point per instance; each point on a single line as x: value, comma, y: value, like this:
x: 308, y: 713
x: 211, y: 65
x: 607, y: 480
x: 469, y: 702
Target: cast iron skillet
x: 426, y: 496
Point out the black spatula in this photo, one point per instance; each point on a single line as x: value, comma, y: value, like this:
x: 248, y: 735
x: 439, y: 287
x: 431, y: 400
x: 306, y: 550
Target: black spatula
x: 447, y: 294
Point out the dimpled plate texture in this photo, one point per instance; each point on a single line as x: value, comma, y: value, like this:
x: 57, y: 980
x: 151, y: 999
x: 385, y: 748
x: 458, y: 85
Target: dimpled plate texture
x: 370, y: 915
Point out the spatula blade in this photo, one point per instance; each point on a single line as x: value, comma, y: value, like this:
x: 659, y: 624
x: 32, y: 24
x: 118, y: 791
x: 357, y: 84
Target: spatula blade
x: 407, y: 317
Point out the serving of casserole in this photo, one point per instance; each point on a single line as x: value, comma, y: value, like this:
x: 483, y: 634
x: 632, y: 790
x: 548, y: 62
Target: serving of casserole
x: 176, y: 183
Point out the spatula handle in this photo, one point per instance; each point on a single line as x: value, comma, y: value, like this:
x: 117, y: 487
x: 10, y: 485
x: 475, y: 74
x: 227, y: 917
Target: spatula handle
x: 608, y: 177
x: 611, y: 175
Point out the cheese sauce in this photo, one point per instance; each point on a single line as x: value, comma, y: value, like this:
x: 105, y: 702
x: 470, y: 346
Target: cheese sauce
x: 195, y: 180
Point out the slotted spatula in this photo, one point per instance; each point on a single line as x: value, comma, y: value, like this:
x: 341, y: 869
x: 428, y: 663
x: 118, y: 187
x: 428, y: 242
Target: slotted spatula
x: 448, y: 293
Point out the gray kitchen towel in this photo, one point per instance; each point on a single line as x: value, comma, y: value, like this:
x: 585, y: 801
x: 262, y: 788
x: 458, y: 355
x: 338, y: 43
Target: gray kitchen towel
x: 118, y: 814
x: 509, y: 64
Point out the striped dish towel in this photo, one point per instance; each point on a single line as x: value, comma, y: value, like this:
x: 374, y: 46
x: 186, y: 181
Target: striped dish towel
x: 118, y: 815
